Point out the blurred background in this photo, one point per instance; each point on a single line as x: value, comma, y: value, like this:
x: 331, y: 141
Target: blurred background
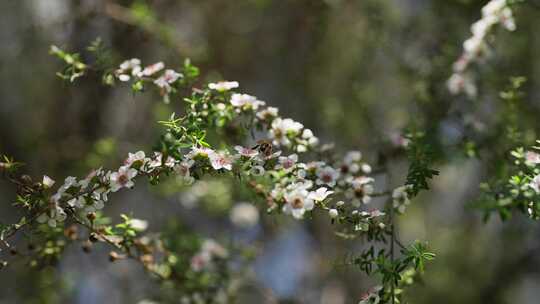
x: 357, y: 72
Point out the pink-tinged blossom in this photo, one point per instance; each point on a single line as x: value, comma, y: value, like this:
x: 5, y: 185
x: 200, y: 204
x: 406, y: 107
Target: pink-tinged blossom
x: 132, y: 65
x: 157, y: 161
x: 246, y: 152
x: 476, y: 47
x: 362, y: 188
x: 134, y: 157
x: 327, y: 176
x: 209, y: 251
x: 532, y: 158
x: 246, y: 101
x: 122, y: 178
x: 183, y: 170
x: 165, y: 80
x: 220, y: 161
x: 281, y: 129
x: 287, y: 162
x: 152, y: 69
x: 535, y: 184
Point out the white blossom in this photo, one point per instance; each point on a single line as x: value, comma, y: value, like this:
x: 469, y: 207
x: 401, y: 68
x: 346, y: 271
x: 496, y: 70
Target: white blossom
x: 52, y: 216
x: 287, y: 162
x: 122, y: 178
x: 298, y: 203
x: 320, y: 194
x: 220, y: 161
x: 327, y: 176
x: 152, y: 69
x: 400, y: 198
x: 47, y: 182
x: 223, y: 86
x: 282, y: 128
x: 244, y: 215
x: 245, y: 101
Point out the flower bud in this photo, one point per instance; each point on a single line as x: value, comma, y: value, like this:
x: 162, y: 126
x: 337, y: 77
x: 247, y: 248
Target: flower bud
x: 333, y: 213
x: 87, y: 246
x: 113, y: 256
x: 91, y: 216
x: 93, y: 237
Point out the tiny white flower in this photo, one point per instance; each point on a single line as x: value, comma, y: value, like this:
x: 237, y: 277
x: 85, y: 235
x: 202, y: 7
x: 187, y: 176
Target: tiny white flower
x: 297, y: 203
x: 124, y: 77
x: 327, y: 176
x: 287, y: 162
x: 333, y: 213
x: 352, y: 156
x: 320, y: 194
x: 245, y: 101
x: 122, y: 178
x: 223, y: 86
x: 152, y: 69
x: 281, y: 129
x: 532, y: 158
x: 47, y: 182
x: 535, y: 184
x: 400, y: 198
x: 138, y: 225
x: 246, y: 152
x: 165, y: 80
x: 52, y: 216
x: 268, y: 113
x: 220, y: 161
x: 134, y: 157
x: 244, y: 215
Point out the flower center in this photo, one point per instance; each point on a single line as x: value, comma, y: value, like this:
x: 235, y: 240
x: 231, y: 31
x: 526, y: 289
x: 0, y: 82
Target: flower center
x: 123, y: 179
x: 297, y: 203
x: 327, y: 178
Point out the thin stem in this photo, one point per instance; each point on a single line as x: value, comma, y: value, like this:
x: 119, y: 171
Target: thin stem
x: 392, y: 241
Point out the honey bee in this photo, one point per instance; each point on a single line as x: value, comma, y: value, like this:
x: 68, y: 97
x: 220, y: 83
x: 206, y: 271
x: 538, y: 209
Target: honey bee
x: 264, y: 146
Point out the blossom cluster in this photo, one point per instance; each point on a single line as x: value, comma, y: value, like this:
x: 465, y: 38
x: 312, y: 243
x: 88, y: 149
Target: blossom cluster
x: 131, y: 70
x: 476, y: 48
x: 276, y: 166
x: 210, y: 251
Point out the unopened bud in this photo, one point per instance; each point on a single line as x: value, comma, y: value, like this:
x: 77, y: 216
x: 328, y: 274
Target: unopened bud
x: 93, y: 237
x: 333, y: 213
x: 113, y: 256
x: 87, y: 246
x: 71, y: 232
x: 147, y: 259
x: 91, y: 216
